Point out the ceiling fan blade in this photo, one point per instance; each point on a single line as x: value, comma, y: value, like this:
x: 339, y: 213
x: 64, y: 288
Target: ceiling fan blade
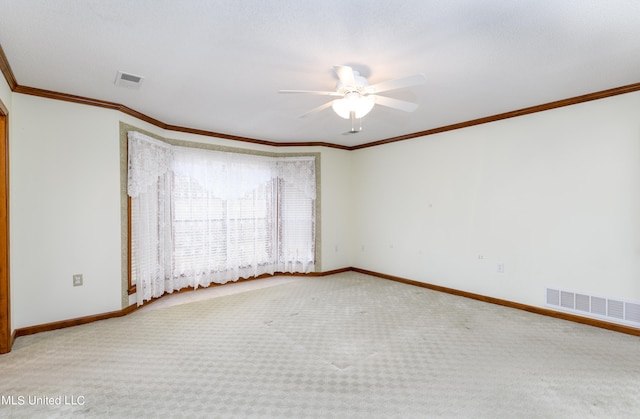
x: 313, y: 92
x: 396, y: 104
x: 396, y: 84
x: 318, y: 109
x: 345, y: 74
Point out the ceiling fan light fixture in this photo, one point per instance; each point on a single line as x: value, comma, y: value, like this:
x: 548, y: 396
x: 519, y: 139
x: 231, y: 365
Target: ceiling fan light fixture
x: 353, y: 102
x: 356, y: 98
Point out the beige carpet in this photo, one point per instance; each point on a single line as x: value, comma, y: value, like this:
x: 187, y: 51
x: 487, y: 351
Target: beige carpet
x: 347, y: 345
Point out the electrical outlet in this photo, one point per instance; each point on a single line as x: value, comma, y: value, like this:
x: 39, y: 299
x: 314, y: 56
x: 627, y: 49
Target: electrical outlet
x: 500, y: 268
x: 77, y: 280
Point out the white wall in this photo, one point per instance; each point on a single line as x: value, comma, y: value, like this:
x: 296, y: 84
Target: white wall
x: 337, y: 240
x: 5, y: 93
x: 65, y: 210
x: 554, y: 196
x: 66, y: 215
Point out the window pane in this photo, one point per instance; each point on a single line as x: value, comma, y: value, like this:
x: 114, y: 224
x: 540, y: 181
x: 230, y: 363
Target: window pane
x: 213, y: 235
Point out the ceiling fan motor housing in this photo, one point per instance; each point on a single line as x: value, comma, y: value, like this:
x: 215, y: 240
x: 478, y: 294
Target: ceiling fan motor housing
x: 358, y: 87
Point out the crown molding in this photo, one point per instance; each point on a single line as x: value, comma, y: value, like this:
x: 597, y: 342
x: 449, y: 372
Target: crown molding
x: 33, y: 91
x: 65, y: 97
x: 253, y: 140
x: 485, y: 120
x: 5, y: 68
x: 512, y: 114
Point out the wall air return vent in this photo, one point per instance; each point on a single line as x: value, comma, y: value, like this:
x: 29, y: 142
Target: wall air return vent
x: 553, y: 297
x: 632, y: 312
x: 613, y: 310
x: 582, y: 302
x: 599, y: 306
x: 128, y: 80
x: 567, y: 299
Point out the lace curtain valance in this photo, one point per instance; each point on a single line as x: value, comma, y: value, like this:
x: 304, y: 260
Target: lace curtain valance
x: 224, y: 174
x: 148, y: 160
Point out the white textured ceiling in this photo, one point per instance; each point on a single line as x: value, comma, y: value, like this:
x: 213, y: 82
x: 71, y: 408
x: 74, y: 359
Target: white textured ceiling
x: 218, y: 65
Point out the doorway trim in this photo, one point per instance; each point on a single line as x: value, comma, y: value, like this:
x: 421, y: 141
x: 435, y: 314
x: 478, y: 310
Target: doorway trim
x: 6, y: 335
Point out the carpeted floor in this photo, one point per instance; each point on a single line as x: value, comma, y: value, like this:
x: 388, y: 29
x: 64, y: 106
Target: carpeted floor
x: 347, y: 345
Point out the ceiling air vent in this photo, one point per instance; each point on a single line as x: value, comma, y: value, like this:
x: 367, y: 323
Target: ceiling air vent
x: 128, y: 80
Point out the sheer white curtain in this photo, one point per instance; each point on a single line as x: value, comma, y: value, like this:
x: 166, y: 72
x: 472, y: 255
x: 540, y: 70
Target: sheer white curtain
x: 149, y: 186
x: 202, y: 216
x: 224, y: 216
x: 296, y: 215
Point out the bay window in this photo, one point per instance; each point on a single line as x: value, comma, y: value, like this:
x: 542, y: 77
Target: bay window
x: 202, y: 216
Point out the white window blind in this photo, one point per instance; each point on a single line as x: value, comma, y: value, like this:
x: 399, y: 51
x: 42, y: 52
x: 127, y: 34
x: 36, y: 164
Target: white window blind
x: 202, y: 216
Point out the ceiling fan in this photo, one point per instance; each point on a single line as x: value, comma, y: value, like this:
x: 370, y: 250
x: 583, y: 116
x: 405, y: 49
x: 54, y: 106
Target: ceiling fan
x: 355, y: 97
